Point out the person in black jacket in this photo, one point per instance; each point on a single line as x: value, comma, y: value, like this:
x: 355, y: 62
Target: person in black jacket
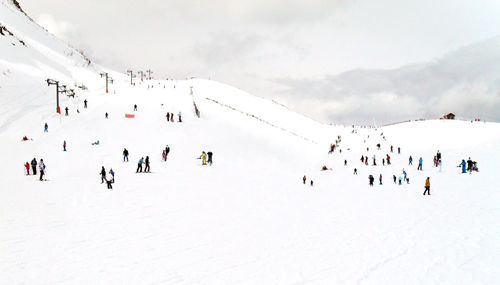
x: 103, y: 175
x: 209, y: 154
x: 147, y: 169
x: 125, y: 154
x: 33, y: 166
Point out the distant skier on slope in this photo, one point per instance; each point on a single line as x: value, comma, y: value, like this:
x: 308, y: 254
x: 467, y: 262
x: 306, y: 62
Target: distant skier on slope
x: 125, y: 154
x: 103, y: 175
x: 33, y: 166
x: 147, y: 168
x: 427, y: 186
x: 41, y: 166
x: 209, y: 155
x: 139, y: 165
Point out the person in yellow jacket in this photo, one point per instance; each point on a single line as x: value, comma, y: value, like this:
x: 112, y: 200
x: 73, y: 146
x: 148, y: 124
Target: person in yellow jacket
x: 204, y: 158
x: 427, y: 186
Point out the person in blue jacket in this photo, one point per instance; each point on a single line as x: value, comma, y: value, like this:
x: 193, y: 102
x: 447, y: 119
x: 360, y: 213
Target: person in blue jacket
x: 463, y: 164
x: 420, y: 160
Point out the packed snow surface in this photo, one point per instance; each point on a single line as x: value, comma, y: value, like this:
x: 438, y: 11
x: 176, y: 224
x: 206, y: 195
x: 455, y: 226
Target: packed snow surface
x: 246, y: 219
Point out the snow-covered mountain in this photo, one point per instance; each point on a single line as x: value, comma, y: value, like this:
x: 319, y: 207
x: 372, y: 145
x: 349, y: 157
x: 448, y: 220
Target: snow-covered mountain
x: 246, y: 219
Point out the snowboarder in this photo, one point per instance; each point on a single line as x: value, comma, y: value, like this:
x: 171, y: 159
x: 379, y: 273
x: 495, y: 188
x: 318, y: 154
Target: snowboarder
x: 209, y: 154
x: 42, y: 169
x: 139, y: 165
x: 420, y: 160
x: 46, y: 128
x: 33, y: 166
x: 103, y: 174
x: 66, y: 109
x: 85, y: 103
x: 304, y: 179
x: 125, y: 154
x: 147, y: 168
x: 27, y: 166
x: 427, y: 186
x: 64, y: 146
x: 370, y: 179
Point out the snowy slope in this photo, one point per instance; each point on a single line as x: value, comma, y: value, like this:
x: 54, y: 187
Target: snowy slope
x: 248, y: 218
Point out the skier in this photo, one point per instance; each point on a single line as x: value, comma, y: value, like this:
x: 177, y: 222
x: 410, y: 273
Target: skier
x: 304, y: 179
x: 209, y: 154
x: 427, y: 186
x: 139, y: 165
x: 410, y: 160
x: 112, y: 175
x: 147, y: 169
x: 42, y: 169
x: 85, y: 103
x: 64, y: 146
x: 135, y: 107
x: 380, y: 179
x: 27, y: 166
x: 125, y: 154
x: 463, y: 164
x: 33, y: 166
x: 103, y: 174
x: 66, y: 109
x: 370, y: 179
x: 420, y: 160
x: 46, y: 128
x: 204, y: 158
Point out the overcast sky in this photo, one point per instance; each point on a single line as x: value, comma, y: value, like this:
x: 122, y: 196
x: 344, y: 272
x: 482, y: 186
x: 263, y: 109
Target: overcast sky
x: 267, y: 47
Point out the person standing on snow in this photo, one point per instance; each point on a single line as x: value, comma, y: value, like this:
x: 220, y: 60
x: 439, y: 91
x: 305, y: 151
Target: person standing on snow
x: 42, y: 169
x: 167, y: 151
x: 370, y: 180
x: 164, y: 155
x: 64, y: 146
x: 420, y: 160
x: 180, y: 117
x: 112, y: 175
x: 203, y: 158
x: 394, y: 178
x: 210, y: 155
x: 139, y: 165
x: 135, y: 107
x: 27, y: 166
x: 103, y: 175
x: 46, y: 128
x: 427, y: 186
x: 85, y: 103
x: 66, y: 109
x: 380, y: 179
x: 147, y: 169
x: 463, y: 164
x: 125, y: 154
x: 304, y: 179
x: 33, y: 166
x: 355, y: 171
x: 410, y: 160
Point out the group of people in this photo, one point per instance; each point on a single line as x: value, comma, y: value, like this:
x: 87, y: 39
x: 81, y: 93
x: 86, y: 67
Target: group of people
x: 109, y: 181
x: 170, y: 117
x: 468, y: 166
x: 165, y: 153
x: 206, y: 158
x: 146, y: 162
x: 34, y: 164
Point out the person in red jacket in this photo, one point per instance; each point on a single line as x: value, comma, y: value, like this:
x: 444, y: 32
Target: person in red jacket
x: 27, y: 166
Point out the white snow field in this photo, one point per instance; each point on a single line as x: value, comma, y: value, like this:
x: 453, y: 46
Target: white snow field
x: 248, y: 218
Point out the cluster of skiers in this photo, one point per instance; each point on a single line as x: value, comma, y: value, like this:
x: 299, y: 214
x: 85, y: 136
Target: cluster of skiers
x: 34, y: 164
x: 468, y: 166
x: 109, y: 181
x: 170, y: 117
